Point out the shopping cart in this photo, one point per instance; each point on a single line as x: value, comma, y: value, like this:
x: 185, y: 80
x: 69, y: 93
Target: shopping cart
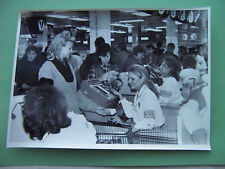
x: 154, y: 136
x: 124, y: 135
x: 107, y: 134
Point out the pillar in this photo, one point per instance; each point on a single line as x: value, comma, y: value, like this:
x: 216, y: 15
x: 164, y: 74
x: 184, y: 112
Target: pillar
x: 100, y: 26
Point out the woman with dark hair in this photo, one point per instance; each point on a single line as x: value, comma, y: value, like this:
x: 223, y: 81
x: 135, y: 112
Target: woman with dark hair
x: 136, y: 57
x: 47, y: 122
x: 103, y: 63
x: 27, y: 70
x: 170, y: 91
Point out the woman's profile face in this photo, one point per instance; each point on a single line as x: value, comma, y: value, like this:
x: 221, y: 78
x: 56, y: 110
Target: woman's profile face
x: 164, y: 69
x: 66, y: 50
x: 105, y: 59
x: 31, y: 55
x: 139, y: 56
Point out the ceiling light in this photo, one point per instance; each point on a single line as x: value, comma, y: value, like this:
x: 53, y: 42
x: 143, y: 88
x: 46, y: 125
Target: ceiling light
x: 178, y: 23
x: 161, y: 27
x: 141, y: 13
x: 122, y: 25
x: 84, y: 28
x: 131, y: 21
x: 164, y: 20
x: 113, y: 31
x: 152, y: 29
x: 58, y: 16
x: 79, y: 19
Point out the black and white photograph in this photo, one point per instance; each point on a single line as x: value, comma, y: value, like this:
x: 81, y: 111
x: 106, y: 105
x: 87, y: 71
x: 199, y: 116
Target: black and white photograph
x: 132, y: 79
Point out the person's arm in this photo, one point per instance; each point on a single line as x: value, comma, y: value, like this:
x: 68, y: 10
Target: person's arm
x: 85, y: 67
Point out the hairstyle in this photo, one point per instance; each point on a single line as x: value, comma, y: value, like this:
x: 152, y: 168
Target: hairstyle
x: 99, y: 41
x: 122, y: 46
x: 174, y: 67
x: 189, y: 62
x: 138, y: 49
x: 44, y: 111
x: 193, y: 51
x: 55, y: 47
x: 104, y: 49
x: 31, y: 48
x: 141, y: 71
x: 65, y: 34
x: 150, y: 46
x: 171, y: 46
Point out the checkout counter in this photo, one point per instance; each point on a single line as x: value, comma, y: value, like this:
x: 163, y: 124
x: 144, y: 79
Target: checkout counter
x: 108, y: 133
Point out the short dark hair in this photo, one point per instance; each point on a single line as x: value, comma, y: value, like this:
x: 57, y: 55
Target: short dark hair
x: 138, y: 49
x: 150, y: 46
x: 44, y: 111
x: 99, y: 41
x: 189, y: 62
x: 104, y: 49
x: 171, y: 46
x: 122, y: 46
x: 31, y: 48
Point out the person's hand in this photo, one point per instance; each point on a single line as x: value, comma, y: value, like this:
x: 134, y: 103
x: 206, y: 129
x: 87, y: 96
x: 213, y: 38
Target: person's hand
x: 116, y: 120
x: 117, y: 93
x: 106, y: 111
x: 109, y: 76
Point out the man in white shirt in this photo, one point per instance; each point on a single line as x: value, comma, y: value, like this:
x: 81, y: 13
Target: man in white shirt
x: 145, y: 110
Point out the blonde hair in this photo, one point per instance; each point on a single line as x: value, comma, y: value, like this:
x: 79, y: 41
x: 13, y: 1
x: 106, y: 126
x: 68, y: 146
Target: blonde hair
x: 54, y: 48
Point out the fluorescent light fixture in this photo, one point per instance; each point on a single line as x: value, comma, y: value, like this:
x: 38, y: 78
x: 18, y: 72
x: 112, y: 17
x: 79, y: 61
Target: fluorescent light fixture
x: 152, y: 29
x: 194, y: 27
x: 25, y: 36
x: 144, y: 38
x: 84, y: 28
x: 58, y: 16
x: 137, y: 13
x: 119, y: 31
x: 131, y: 21
x: 85, y: 42
x: 79, y: 19
x: 122, y: 25
x: 50, y: 23
x: 68, y: 25
x: 164, y: 20
x: 112, y: 39
x: 161, y: 27
x: 178, y: 23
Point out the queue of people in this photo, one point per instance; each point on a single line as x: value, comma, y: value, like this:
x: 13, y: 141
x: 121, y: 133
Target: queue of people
x: 154, y: 75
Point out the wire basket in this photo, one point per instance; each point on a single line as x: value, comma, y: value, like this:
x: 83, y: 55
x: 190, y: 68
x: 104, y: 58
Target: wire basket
x: 111, y: 134
x: 154, y: 136
x: 123, y: 135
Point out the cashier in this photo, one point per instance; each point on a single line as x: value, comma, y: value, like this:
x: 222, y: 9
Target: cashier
x: 145, y: 111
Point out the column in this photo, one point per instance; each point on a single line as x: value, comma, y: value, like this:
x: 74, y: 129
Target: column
x: 172, y: 33
x: 100, y: 26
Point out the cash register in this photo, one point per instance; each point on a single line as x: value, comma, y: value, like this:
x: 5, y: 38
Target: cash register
x: 99, y: 92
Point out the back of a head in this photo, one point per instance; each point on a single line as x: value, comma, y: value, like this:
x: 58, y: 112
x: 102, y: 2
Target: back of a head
x: 138, y: 49
x: 189, y: 62
x: 122, y: 46
x: 104, y: 49
x: 44, y: 111
x: 99, y: 41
